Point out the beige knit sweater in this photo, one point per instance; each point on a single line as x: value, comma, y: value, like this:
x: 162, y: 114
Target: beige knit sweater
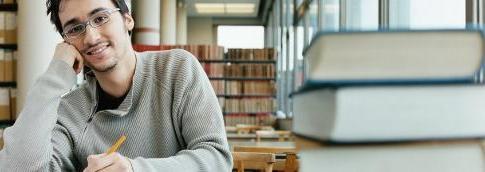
x: 170, y: 116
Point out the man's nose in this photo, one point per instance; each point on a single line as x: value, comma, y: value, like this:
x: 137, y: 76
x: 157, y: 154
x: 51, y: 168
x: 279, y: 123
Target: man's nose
x: 91, y: 36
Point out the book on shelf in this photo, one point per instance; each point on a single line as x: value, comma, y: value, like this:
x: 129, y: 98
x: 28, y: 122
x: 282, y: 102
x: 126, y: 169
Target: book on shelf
x: 251, y: 54
x: 1, y: 138
x: 395, y: 56
x: 2, y: 65
x: 218, y: 86
x: 250, y: 70
x: 2, y: 26
x: 13, y: 103
x: 10, y: 27
x: 9, y: 2
x: 9, y: 65
x: 213, y: 69
x: 250, y: 88
x: 14, y: 63
x: 142, y: 47
x: 5, y: 104
x: 443, y: 156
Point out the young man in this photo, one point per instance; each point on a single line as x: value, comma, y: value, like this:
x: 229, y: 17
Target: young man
x: 162, y: 101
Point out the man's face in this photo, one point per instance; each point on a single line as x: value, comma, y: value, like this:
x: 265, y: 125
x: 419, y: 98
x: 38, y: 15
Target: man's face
x: 102, y: 47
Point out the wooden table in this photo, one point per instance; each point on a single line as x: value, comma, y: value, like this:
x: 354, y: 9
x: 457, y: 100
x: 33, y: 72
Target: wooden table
x: 249, y: 137
x: 285, y: 152
x: 262, y: 144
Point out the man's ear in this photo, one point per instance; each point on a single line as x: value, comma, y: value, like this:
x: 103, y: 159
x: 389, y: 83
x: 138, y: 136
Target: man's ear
x: 129, y: 22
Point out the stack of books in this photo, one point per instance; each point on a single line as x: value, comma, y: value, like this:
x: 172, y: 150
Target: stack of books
x: 393, y: 101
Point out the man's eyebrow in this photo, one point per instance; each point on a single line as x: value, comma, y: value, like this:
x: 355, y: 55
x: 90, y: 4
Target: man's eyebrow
x: 76, y: 20
x: 72, y: 21
x: 97, y: 10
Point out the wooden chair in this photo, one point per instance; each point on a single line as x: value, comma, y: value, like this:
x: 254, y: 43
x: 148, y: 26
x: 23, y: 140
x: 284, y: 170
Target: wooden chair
x: 282, y: 134
x: 253, y: 161
x: 289, y: 164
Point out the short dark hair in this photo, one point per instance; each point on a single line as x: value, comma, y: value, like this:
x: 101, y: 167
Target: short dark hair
x: 53, y: 10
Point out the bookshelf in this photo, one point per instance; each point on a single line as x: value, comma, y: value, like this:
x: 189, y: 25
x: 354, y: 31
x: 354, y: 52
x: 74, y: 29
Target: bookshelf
x: 246, y: 87
x: 238, y: 61
x: 9, y: 7
x: 8, y: 46
x: 8, y: 62
x: 6, y: 123
x: 241, y: 78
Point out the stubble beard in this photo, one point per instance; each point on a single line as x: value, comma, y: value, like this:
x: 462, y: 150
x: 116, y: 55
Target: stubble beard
x: 104, y: 68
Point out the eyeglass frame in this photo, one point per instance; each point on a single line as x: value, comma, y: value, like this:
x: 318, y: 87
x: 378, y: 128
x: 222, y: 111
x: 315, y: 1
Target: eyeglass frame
x: 88, y: 22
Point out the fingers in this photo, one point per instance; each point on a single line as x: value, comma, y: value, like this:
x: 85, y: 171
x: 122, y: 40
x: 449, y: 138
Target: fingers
x: 69, y: 54
x: 121, y: 164
x: 78, y: 63
x: 106, y: 163
x: 98, y: 162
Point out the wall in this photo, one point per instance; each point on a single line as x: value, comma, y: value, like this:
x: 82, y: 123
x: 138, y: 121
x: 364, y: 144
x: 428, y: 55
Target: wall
x: 200, y: 31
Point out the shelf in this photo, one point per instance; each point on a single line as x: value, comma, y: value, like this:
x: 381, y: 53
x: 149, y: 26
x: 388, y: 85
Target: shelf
x: 237, y: 61
x: 6, y: 122
x: 8, y: 84
x: 245, y: 95
x: 8, y: 7
x: 250, y: 113
x: 8, y: 46
x: 239, y: 78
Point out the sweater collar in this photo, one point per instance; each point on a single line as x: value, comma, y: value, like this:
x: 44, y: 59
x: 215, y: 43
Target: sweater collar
x: 131, y: 97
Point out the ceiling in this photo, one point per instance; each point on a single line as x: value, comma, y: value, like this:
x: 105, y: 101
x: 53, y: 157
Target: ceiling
x: 224, y: 8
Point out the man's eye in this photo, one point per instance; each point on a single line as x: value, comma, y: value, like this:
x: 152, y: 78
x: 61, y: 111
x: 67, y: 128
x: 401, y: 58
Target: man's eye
x: 100, y: 19
x: 75, y: 29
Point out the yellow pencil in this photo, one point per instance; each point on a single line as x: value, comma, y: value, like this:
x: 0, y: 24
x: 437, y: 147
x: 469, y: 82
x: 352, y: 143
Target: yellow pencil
x: 116, y: 145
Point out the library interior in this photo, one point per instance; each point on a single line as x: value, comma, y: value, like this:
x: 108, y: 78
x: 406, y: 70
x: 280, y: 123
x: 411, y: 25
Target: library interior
x: 275, y: 85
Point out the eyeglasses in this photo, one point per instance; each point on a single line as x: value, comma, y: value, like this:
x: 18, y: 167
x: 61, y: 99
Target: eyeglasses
x: 98, y: 19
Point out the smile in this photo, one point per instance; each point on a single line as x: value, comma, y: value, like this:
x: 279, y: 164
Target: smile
x: 97, y: 49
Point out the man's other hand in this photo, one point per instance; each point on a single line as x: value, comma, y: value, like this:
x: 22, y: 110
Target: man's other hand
x: 107, y: 163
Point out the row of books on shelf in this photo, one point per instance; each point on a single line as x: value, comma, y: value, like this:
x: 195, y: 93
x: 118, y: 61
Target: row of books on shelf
x: 375, y: 96
x: 214, y: 52
x: 8, y: 65
x: 8, y: 27
x: 214, y: 69
x: 219, y: 86
x: 249, y: 105
x: 8, y: 1
x: 250, y: 88
x: 251, y: 54
x: 218, y: 70
x: 250, y: 70
x: 250, y: 119
x: 201, y: 52
x: 8, y: 106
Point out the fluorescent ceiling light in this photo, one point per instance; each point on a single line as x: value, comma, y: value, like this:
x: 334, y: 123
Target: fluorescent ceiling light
x: 205, y: 8
x: 221, y: 8
x: 240, y: 8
